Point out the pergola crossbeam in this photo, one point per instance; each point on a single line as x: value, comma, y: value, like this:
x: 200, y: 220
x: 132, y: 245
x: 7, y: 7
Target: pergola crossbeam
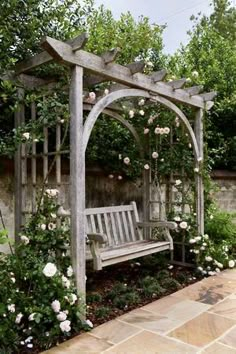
x: 177, y: 84
x: 158, y: 75
x: 63, y: 52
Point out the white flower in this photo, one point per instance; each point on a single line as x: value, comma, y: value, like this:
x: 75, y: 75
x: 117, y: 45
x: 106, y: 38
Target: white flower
x: 13, y: 280
x: 29, y: 339
x: 177, y: 218
x: 24, y: 239
x: 195, y: 74
x: 52, y: 226
x: 188, y: 80
x: 61, y: 316
x: 31, y: 317
x: 52, y: 192
x: 231, y: 263
x: 131, y: 114
x: 120, y: 156
x: 150, y: 64
x: 202, y: 248
x: 43, y: 227
x: 200, y: 269
x: 178, y: 182
x: 196, y: 251
x: 120, y: 178
x: 208, y: 258
x: 150, y: 121
x: 199, y: 159
x: 196, y: 170
x: 206, y: 237
x: 146, y: 166
x: 166, y: 130
x: 198, y: 238
x: 73, y: 298
x: 190, y: 145
x: 53, y: 215
x: 146, y: 131
x: 192, y: 240
x: 170, y: 266
x: 211, y: 273
x: 162, y: 131
x: 65, y: 326
x: 69, y: 271
x: 157, y: 130
x: 217, y: 270
x: 56, y: 306
x: 49, y: 270
x: 141, y: 102
x: 89, y: 323
x: 92, y: 96
x: 141, y: 112
x: 155, y: 155
x: 183, y: 225
x: 126, y: 160
x: 26, y: 135
x: 204, y: 244
x: 11, y: 308
x: 106, y: 92
x: 211, y: 217
x: 30, y: 345
x: 36, y: 140
x: 110, y: 176
x: 62, y: 121
x: 18, y: 318
x: 65, y: 282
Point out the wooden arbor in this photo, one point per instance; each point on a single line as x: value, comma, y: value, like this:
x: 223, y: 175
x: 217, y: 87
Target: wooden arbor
x: 98, y: 69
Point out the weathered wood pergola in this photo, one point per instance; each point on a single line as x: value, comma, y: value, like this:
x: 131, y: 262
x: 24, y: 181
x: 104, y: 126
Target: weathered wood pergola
x: 87, y: 70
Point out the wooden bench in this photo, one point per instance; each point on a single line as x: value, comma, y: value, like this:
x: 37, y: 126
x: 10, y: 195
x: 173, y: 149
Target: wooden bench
x: 116, y: 235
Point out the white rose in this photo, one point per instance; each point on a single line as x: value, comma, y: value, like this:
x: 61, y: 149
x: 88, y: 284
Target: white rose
x: 31, y: 317
x: 196, y: 170
x: 106, y: 92
x: 217, y: 270
x: 126, y: 160
x: 146, y: 131
x: 206, y: 237
x: 157, y: 130
x: 141, y: 102
x: 24, y: 239
x: 208, y: 258
x: 211, y: 273
x: 18, y: 318
x: 166, y: 130
x: 195, y: 74
x: 92, y: 96
x: 178, y: 182
x: 146, y: 166
x: 13, y: 280
x: 49, y: 270
x: 52, y: 192
x: 198, y: 238
x: 188, y: 80
x: 111, y: 176
x: 141, y: 112
x: 183, y: 225
x: 150, y: 121
x: 56, y: 306
x: 177, y: 218
x: 53, y: 215
x: 61, y: 316
x: 69, y: 271
x: 89, y: 323
x: 211, y: 217
x: 11, y: 308
x: 190, y: 145
x: 200, y: 269
x: 131, y: 114
x: 51, y: 226
x: 155, y: 155
x: 162, y: 131
x: 231, y: 263
x: 196, y: 251
x: 120, y: 178
x: 26, y: 135
x: 202, y: 248
x: 43, y: 227
x: 192, y: 240
x: 65, y: 326
x: 65, y: 282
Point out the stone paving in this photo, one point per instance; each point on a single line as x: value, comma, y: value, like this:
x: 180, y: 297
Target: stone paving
x: 198, y: 319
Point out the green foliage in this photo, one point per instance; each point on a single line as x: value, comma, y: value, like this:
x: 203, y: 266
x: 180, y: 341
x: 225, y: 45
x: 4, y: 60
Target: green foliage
x: 102, y: 311
x: 94, y: 297
x: 170, y: 284
x: 38, y: 294
x: 221, y: 227
x: 150, y: 287
x: 125, y: 300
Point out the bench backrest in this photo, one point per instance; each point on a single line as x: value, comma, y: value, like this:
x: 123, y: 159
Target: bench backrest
x: 118, y: 223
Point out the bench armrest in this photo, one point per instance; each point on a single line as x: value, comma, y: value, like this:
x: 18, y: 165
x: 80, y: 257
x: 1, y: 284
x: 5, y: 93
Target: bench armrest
x: 100, y: 238
x: 169, y: 224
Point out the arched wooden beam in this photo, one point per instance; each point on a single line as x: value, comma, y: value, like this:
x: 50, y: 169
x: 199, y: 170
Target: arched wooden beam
x: 124, y: 122
x: 111, y: 97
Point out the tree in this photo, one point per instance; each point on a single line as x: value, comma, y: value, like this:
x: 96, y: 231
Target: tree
x: 210, y: 59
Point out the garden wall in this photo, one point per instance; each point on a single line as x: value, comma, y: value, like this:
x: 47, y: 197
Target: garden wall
x: 102, y: 190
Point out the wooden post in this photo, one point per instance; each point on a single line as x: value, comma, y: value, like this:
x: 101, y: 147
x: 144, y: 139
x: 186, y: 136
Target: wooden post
x: 19, y: 119
x: 77, y: 179
x: 199, y: 181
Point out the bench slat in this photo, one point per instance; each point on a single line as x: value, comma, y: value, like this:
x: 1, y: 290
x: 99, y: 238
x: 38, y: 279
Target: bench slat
x: 107, y: 230
x: 93, y: 225
x: 114, y: 232
x: 111, y: 209
x: 124, y: 219
x: 121, y: 234
x: 100, y: 227
x: 131, y: 226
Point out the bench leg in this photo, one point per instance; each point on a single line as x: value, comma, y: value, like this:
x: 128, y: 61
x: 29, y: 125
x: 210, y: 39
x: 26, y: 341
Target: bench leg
x: 95, y: 250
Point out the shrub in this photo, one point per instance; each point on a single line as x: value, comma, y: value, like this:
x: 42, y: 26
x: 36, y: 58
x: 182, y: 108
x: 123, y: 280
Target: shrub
x: 38, y: 301
x: 102, y: 312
